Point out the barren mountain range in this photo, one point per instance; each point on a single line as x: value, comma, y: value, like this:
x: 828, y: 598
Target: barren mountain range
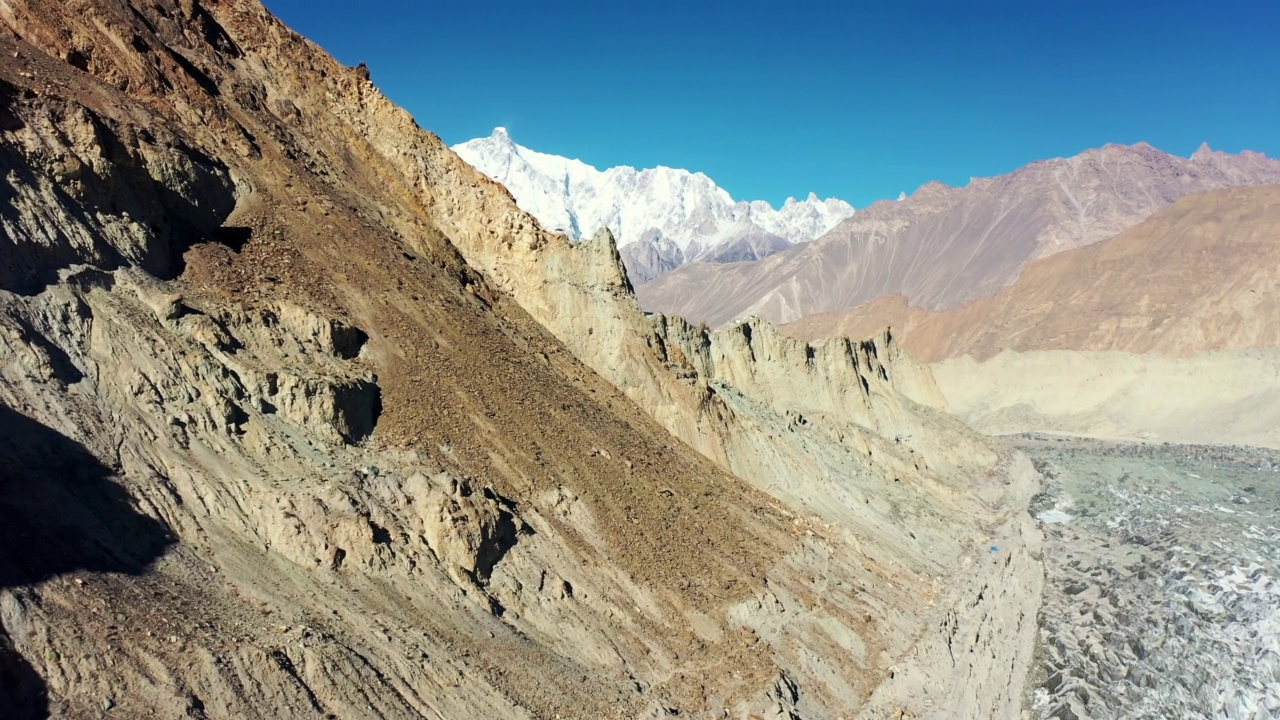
x: 304, y: 417
x: 944, y: 246
x: 1199, y: 276
x: 1168, y: 331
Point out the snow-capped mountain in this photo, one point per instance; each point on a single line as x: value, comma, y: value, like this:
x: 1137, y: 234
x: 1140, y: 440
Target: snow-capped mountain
x: 662, y: 217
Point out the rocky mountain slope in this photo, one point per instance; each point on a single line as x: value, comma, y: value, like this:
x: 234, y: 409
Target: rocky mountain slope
x: 662, y: 217
x: 1167, y: 331
x: 305, y: 418
x: 1198, y: 276
x: 944, y: 246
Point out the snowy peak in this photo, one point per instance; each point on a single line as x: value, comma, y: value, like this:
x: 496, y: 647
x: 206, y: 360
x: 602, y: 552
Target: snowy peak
x: 671, y: 216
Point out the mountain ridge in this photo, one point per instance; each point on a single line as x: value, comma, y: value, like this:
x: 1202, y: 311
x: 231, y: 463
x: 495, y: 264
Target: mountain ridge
x: 1165, y: 332
x: 944, y: 246
x: 1190, y: 279
x: 662, y: 217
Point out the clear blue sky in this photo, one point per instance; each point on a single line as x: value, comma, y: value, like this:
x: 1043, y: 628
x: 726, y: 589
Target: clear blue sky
x: 855, y: 100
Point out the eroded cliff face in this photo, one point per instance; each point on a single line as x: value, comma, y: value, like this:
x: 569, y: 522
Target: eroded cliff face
x: 264, y: 458
x: 890, y: 494
x: 304, y: 417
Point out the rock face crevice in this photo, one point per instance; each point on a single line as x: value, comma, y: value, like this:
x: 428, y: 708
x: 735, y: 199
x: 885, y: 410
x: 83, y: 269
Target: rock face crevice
x: 80, y: 183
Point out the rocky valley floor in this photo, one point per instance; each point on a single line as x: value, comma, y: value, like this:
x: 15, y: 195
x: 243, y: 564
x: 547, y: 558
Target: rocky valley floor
x: 1162, y: 598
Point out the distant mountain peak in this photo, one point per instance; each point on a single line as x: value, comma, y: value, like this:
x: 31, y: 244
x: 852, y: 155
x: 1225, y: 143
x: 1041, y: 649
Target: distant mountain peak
x: 662, y: 217
x: 933, y: 187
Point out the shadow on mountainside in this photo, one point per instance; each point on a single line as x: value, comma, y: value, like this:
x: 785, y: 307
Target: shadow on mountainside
x: 60, y: 511
x: 23, y: 694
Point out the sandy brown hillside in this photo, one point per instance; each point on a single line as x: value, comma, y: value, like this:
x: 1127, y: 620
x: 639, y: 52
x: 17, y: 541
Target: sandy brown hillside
x: 304, y: 418
x: 945, y: 246
x: 315, y: 307
x: 1199, y: 276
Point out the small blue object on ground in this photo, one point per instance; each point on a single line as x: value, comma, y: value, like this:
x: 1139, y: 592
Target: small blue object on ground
x: 995, y: 548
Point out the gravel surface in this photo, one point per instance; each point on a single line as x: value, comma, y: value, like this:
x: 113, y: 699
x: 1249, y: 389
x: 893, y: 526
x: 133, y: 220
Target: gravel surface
x: 1162, y: 598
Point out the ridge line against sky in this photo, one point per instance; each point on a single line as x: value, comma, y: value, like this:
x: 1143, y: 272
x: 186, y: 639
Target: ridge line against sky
x: 855, y: 102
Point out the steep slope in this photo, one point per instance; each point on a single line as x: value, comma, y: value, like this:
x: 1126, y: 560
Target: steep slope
x: 227, y: 414
x: 662, y: 217
x: 1169, y: 331
x: 1198, y: 276
x: 898, y: 497
x: 944, y: 246
x: 304, y: 417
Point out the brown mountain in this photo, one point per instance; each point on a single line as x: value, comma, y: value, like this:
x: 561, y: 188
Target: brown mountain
x: 1169, y: 331
x: 945, y: 246
x: 301, y: 416
x: 1199, y: 276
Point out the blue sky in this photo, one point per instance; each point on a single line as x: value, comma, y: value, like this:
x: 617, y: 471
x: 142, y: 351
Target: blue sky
x: 854, y: 100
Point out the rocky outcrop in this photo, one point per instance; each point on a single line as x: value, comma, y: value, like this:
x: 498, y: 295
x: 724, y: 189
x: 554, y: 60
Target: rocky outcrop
x: 468, y: 531
x: 830, y: 430
x: 651, y: 256
x: 308, y: 474
x: 85, y: 186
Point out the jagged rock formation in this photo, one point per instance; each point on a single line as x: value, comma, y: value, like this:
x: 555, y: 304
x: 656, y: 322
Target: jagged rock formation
x: 826, y: 428
x: 304, y: 417
x: 945, y: 246
x: 663, y: 217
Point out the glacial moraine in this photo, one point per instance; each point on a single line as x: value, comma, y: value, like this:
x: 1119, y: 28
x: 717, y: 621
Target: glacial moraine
x: 1162, y: 598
